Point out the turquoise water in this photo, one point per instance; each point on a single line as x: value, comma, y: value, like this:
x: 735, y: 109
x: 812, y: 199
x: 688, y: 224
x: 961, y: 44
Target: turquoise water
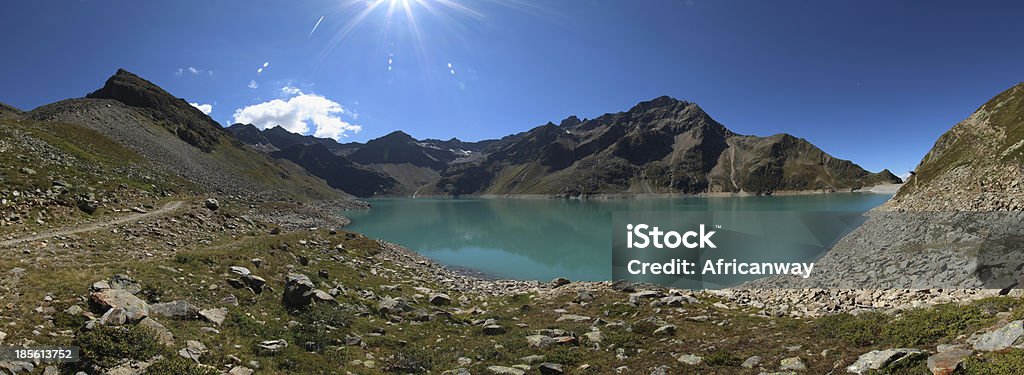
x: 540, y: 239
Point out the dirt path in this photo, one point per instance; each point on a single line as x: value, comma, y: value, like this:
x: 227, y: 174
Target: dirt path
x: 167, y: 208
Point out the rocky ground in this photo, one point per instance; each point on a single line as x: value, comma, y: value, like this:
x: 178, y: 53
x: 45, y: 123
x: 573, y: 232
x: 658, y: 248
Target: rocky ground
x: 214, y: 287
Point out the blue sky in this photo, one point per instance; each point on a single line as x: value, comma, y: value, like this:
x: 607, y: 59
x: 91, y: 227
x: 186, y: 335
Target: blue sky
x: 875, y: 82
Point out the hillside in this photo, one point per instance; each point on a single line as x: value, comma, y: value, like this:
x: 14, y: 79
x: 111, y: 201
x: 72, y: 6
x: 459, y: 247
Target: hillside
x: 181, y: 140
x: 978, y: 165
x: 661, y: 146
x: 956, y: 223
x: 337, y: 170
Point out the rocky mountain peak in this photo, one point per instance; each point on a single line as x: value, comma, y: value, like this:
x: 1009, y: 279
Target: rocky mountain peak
x: 398, y: 135
x: 175, y: 114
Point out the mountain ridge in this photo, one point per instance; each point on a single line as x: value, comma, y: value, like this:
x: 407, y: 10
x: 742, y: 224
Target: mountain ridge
x: 659, y: 146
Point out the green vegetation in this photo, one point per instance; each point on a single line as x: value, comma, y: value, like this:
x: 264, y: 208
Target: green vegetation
x: 999, y: 363
x: 108, y: 346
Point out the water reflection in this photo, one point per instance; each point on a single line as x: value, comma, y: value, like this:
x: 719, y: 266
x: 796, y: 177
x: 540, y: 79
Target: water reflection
x: 542, y: 239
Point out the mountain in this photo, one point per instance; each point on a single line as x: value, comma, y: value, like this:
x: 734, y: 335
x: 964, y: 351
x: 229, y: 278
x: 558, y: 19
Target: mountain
x: 978, y: 165
x: 181, y: 140
x: 338, y: 171
x: 400, y: 148
x: 660, y: 146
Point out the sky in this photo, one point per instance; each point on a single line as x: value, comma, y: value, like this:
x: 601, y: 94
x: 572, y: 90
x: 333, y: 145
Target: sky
x: 875, y: 82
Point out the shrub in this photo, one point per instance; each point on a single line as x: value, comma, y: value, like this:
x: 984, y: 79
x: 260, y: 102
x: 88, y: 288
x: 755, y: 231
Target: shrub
x: 722, y: 358
x: 858, y: 330
x: 939, y: 323
x: 107, y: 346
x: 1002, y: 363
x: 172, y: 365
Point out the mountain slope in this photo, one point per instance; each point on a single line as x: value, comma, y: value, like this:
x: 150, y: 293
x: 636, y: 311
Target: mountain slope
x: 182, y: 140
x: 976, y: 165
x: 660, y: 146
x: 6, y: 110
x: 338, y: 171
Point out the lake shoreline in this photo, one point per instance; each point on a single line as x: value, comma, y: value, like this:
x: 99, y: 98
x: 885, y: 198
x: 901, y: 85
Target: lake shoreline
x: 875, y: 189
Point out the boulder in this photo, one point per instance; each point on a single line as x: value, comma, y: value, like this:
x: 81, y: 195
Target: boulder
x: 163, y: 335
x: 751, y: 362
x: 792, y: 364
x: 193, y: 350
x: 240, y: 370
x: 211, y: 204
x: 549, y: 368
x: 124, y: 282
x: 440, y: 299
x: 388, y: 305
x: 175, y: 309
x: 560, y: 281
x: 665, y: 330
x: 298, y: 290
x: 1009, y: 335
x: 240, y: 271
x: 690, y: 359
x: 948, y: 362
x: 572, y: 318
x: 272, y: 346
x: 215, y: 316
x: 493, y: 329
x: 878, y: 360
x: 111, y: 298
x: 502, y: 370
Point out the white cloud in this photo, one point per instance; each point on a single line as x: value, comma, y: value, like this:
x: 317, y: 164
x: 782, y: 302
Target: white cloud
x: 253, y: 84
x: 290, y: 91
x: 205, y: 108
x: 178, y: 73
x: 301, y: 113
x: 193, y: 70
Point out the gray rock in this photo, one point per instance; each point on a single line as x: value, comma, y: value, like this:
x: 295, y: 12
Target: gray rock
x: 175, y: 309
x: 665, y: 330
x: 880, y: 359
x: 254, y: 282
x: 584, y: 296
x: 163, y: 335
x: 548, y: 368
x: 751, y: 362
x: 539, y: 341
x: 211, y: 204
x: 531, y: 359
x: 193, y: 350
x: 298, y: 290
x: 240, y: 370
x: 114, y: 317
x: 690, y: 359
x: 240, y: 271
x: 1009, y: 335
x: 560, y: 281
x: 126, y: 283
x: 440, y: 299
x: 572, y: 318
x: 493, y: 329
x: 388, y: 305
x: 111, y: 298
x: 272, y: 346
x: 215, y: 316
x: 502, y: 370
x: 792, y: 364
